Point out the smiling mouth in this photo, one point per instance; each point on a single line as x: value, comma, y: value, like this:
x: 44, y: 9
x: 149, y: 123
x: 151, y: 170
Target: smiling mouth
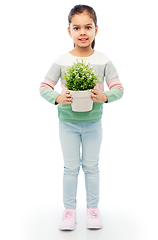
x: 83, y: 39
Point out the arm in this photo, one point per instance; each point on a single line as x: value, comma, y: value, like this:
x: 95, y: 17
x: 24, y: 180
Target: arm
x: 112, y: 80
x: 47, y: 86
x: 47, y: 91
x: 115, y: 87
x: 115, y: 90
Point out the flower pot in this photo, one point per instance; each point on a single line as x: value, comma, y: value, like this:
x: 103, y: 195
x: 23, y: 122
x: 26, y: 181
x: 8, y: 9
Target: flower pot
x: 82, y: 101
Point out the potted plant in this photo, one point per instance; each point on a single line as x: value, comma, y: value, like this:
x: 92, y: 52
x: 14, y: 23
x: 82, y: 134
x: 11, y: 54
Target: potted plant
x: 80, y: 79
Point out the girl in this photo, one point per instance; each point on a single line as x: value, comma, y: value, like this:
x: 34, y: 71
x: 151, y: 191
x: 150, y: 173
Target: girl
x: 81, y: 130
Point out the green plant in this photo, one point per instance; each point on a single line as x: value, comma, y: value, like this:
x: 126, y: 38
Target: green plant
x: 80, y: 76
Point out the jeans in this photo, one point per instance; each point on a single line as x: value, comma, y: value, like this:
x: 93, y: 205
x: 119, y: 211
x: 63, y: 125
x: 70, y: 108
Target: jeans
x: 80, y: 143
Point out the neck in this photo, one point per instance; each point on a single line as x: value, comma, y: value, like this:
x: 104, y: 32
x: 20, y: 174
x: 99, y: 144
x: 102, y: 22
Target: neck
x: 82, y: 52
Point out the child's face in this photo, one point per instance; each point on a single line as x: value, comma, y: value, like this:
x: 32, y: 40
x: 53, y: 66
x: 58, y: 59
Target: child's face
x: 82, y: 30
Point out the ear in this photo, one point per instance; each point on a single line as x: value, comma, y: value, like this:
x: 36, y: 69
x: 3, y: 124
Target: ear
x: 96, y: 30
x: 69, y: 32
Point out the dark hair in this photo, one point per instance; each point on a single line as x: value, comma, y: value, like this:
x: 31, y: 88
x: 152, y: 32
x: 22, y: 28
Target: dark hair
x: 81, y: 9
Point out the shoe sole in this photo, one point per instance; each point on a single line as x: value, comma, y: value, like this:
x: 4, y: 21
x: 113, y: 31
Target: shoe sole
x: 66, y: 229
x: 94, y: 227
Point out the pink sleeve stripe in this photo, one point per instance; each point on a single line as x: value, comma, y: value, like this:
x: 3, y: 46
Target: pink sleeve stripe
x: 47, y: 83
x: 115, y: 83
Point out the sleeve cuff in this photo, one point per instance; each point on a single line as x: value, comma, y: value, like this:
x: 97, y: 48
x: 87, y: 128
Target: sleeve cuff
x: 113, y: 94
x: 50, y: 95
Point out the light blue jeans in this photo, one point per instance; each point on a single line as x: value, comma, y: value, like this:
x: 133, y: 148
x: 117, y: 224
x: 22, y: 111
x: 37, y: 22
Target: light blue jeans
x: 80, y: 143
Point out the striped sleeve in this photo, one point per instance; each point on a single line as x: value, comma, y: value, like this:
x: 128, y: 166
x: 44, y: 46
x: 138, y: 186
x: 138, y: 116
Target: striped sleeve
x: 47, y: 86
x: 112, y: 80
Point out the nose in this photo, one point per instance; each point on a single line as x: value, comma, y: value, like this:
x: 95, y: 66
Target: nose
x: 82, y: 32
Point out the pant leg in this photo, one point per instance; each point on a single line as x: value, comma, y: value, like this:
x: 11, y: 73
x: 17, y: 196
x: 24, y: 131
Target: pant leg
x: 91, y: 143
x: 70, y: 143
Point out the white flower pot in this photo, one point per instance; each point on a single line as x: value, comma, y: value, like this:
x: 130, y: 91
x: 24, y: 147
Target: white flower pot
x: 82, y: 101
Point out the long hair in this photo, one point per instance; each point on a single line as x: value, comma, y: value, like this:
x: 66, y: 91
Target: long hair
x: 81, y: 9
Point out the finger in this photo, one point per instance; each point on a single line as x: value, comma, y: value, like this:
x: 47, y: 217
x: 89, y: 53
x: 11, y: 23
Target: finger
x: 67, y: 95
x: 95, y: 91
x: 94, y: 98
x: 69, y: 100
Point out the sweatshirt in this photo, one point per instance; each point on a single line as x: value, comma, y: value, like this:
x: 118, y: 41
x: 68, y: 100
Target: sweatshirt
x: 106, y: 72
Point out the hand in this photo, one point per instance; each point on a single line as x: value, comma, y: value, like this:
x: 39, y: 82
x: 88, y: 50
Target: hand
x: 98, y: 96
x: 64, y: 98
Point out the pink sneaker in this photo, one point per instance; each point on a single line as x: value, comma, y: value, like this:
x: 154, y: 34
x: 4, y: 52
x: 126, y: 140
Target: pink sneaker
x: 68, y: 219
x: 93, y: 218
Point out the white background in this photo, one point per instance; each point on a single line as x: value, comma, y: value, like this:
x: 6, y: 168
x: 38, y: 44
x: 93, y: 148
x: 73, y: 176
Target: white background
x: 33, y: 35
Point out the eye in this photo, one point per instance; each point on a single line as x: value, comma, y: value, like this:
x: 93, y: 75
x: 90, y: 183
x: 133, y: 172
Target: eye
x: 76, y: 28
x: 88, y: 28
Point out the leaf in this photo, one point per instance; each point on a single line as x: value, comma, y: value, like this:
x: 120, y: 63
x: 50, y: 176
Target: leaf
x: 80, y: 76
